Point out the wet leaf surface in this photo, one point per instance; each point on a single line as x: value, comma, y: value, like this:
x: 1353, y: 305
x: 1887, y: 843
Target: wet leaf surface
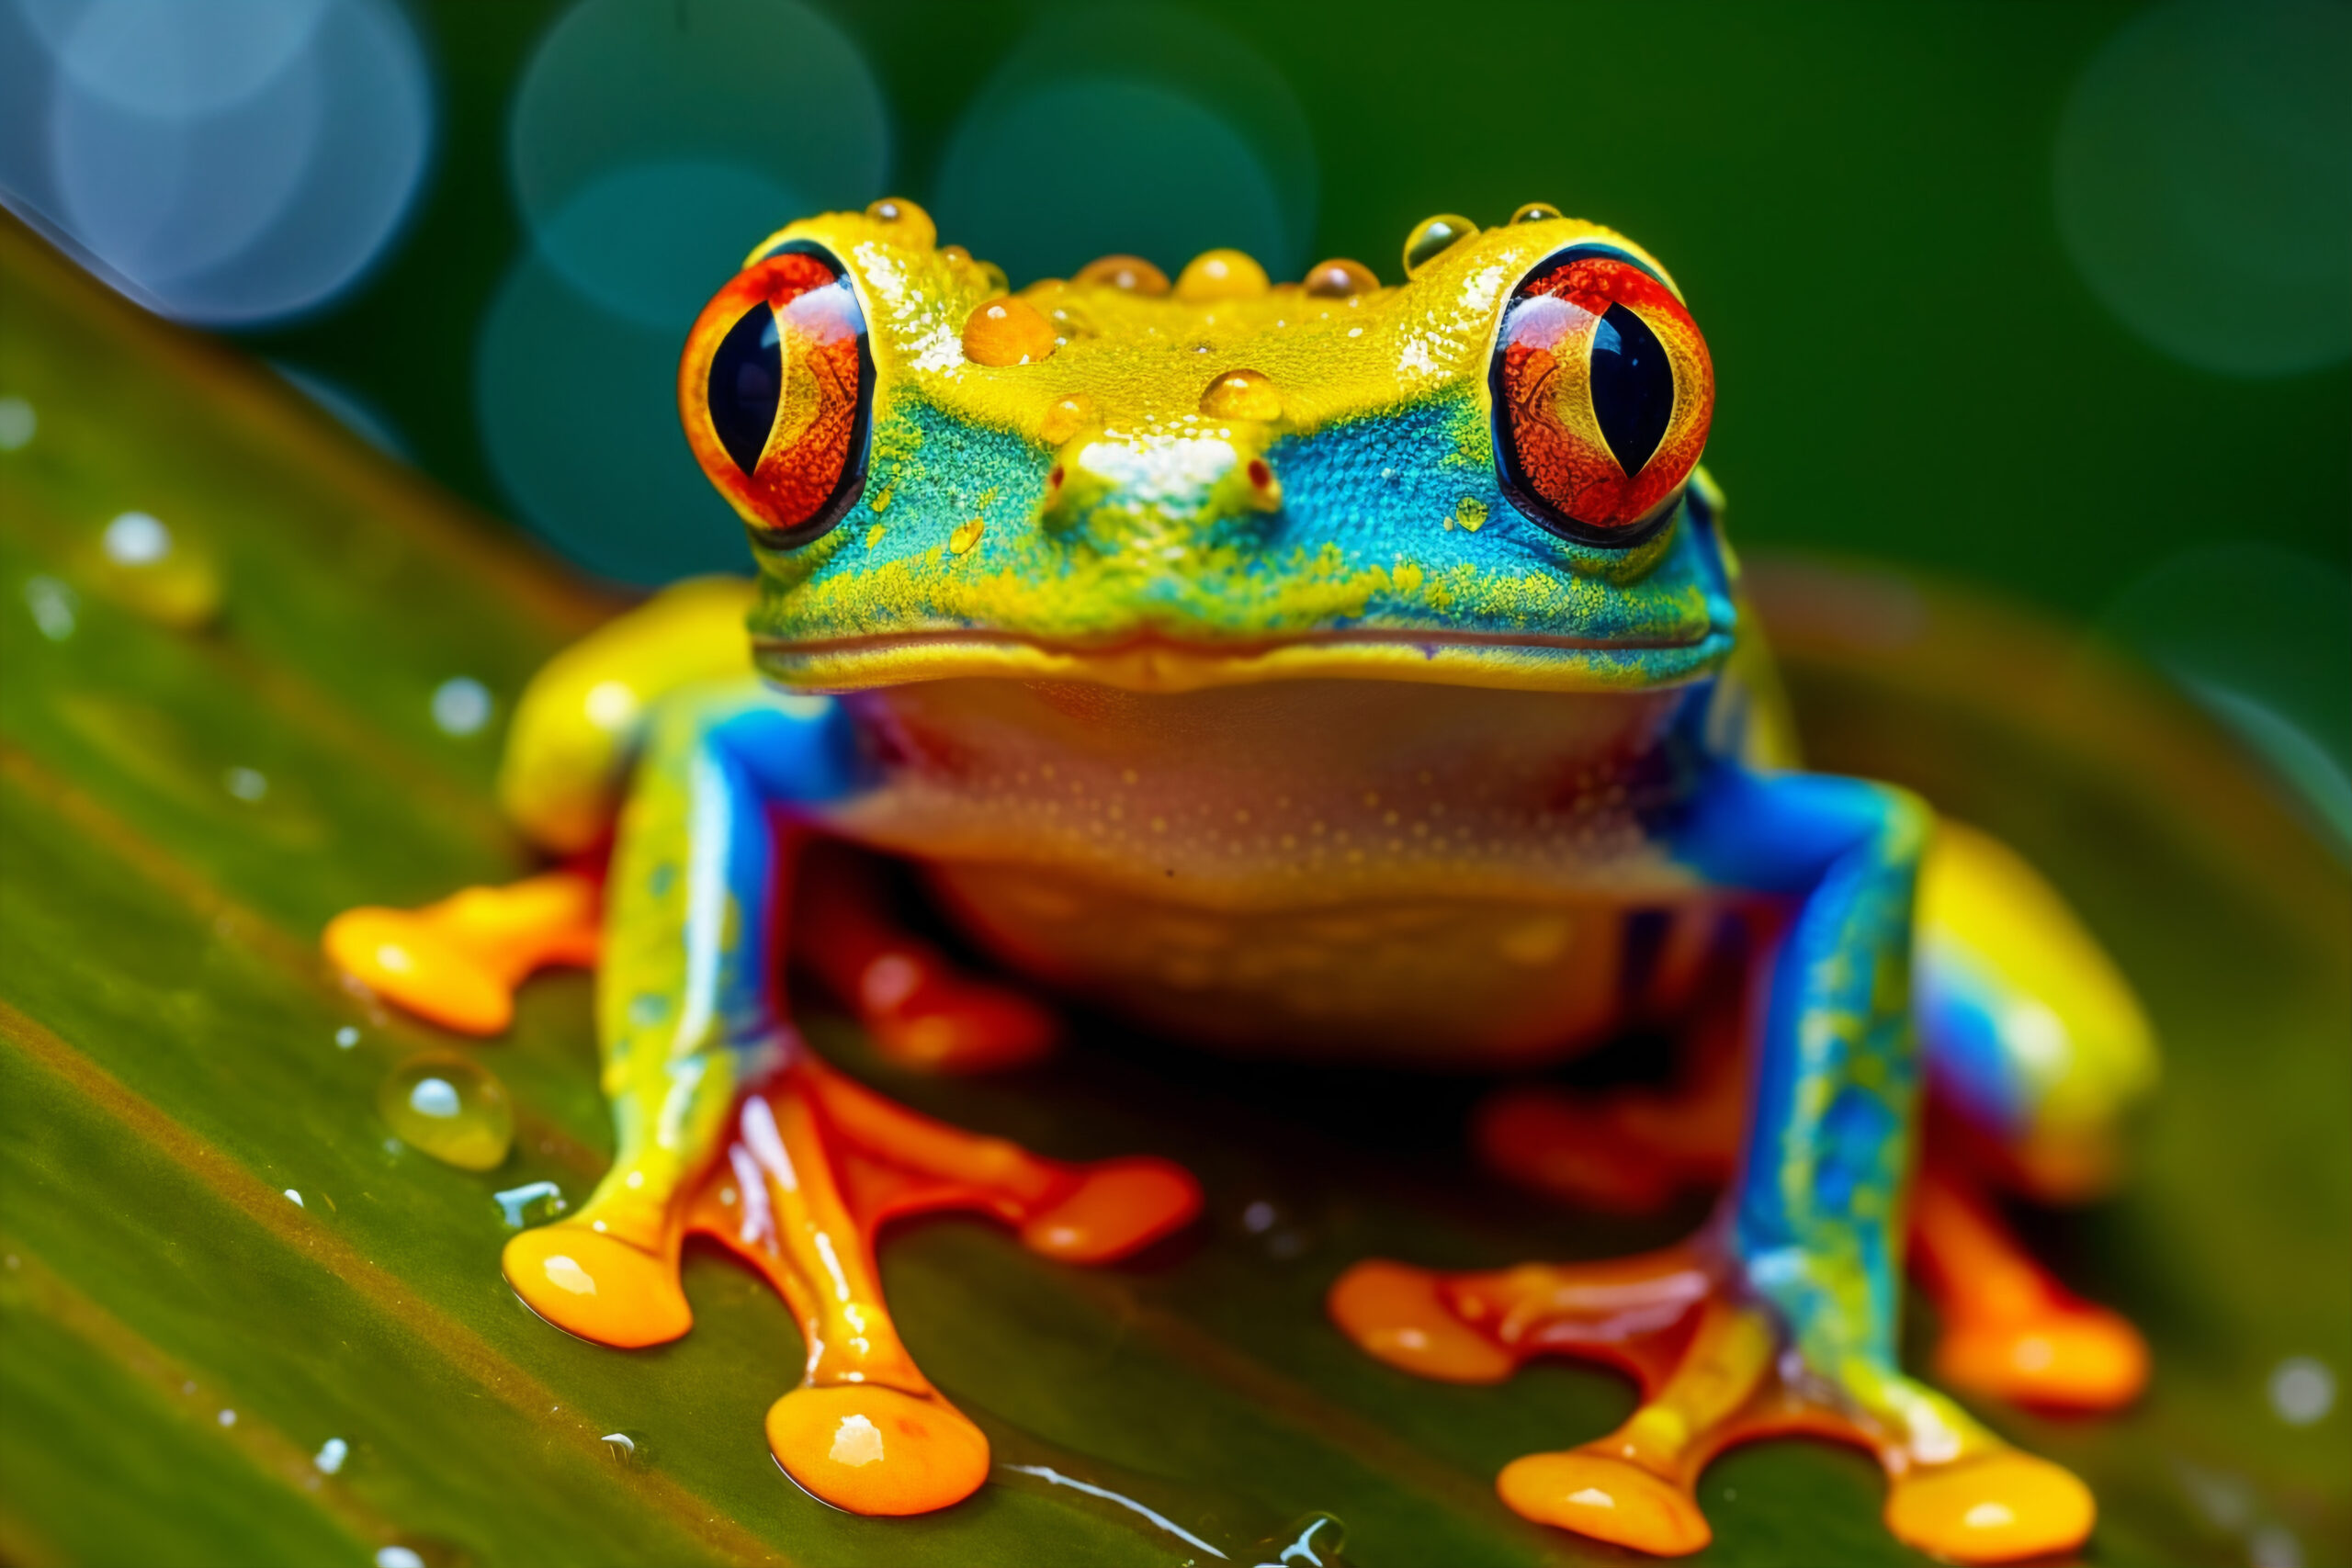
x: 181, y: 1338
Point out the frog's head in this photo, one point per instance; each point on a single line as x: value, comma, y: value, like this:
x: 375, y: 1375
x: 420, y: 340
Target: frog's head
x: 1486, y: 475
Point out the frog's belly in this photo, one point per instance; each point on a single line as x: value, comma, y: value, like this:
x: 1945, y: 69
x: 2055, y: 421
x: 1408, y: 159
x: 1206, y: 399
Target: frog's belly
x: 1427, y: 980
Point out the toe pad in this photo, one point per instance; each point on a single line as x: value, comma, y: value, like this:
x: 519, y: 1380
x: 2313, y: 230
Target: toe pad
x: 598, y: 1286
x: 1996, y: 1508
x: 873, y: 1449
x: 1605, y: 1497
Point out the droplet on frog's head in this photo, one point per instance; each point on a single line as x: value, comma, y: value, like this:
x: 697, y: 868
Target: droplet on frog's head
x: 1432, y: 237
x: 1221, y: 275
x: 1242, y: 394
x: 461, y: 705
x: 1067, y: 418
x: 1008, y: 332
x: 450, y: 1108
x: 1340, y: 278
x: 1130, y: 274
x: 914, y: 224
x: 1536, y: 212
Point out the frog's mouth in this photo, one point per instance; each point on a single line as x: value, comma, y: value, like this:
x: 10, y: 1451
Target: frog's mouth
x: 1152, y: 661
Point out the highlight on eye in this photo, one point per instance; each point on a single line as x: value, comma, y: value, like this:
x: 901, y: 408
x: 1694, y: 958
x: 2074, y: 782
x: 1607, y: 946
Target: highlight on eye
x: 1602, y: 392
x: 777, y: 393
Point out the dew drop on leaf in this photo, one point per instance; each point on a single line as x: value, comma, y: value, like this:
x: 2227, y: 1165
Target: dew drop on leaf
x: 450, y: 1108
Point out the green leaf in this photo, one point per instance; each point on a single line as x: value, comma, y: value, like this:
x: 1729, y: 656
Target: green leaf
x: 172, y: 1078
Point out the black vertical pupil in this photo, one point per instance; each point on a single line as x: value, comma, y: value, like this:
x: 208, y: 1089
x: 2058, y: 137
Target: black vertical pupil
x: 1632, y: 388
x: 746, y: 380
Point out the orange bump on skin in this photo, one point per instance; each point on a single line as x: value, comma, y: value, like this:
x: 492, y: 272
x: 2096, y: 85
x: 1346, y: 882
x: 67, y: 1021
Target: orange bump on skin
x: 1008, y: 332
x: 1132, y: 273
x: 1996, y: 1508
x: 873, y: 1449
x: 1394, y: 1311
x: 598, y: 1286
x: 1242, y: 394
x: 1221, y: 275
x: 1118, y: 1207
x: 915, y: 225
x: 1067, y: 418
x: 1340, y: 278
x: 1605, y: 1497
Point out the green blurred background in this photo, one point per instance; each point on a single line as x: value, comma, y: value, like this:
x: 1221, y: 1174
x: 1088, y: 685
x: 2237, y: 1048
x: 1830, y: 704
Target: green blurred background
x: 2051, y: 297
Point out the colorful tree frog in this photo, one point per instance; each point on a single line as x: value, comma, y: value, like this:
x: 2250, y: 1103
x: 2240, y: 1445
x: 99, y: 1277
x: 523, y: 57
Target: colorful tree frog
x: 1315, y: 668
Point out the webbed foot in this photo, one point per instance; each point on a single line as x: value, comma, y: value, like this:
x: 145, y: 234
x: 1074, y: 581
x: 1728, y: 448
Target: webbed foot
x: 813, y: 1166
x: 458, y: 962
x: 1714, y: 1371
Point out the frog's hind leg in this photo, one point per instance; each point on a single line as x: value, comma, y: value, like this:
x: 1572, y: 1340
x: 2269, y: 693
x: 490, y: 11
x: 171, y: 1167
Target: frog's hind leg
x: 917, y: 1007
x: 2036, y: 1051
x: 817, y: 1164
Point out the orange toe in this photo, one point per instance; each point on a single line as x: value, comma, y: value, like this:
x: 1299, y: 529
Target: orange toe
x: 1118, y: 1206
x: 598, y: 1286
x: 1605, y: 1497
x: 1394, y: 1311
x: 1998, y: 1507
x: 403, y: 956
x: 873, y: 1449
x: 2086, y: 1358
x: 968, y: 1030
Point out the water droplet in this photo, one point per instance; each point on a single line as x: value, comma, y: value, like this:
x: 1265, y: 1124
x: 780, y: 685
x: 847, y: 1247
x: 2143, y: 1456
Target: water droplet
x: 17, y: 424
x: 1067, y: 418
x: 53, y: 605
x: 1340, y: 278
x: 1008, y: 332
x: 1432, y: 237
x: 158, y: 573
x: 1221, y: 275
x: 516, y: 1203
x: 914, y: 224
x: 330, y: 1455
x: 1258, y: 1217
x: 245, y: 783
x: 450, y: 1108
x: 2302, y: 1390
x: 1312, y: 1540
x: 227, y: 1417
x: 626, y: 1449
x: 1536, y: 212
x: 347, y: 1037
x: 2273, y: 1546
x: 461, y: 705
x: 297, y: 1198
x: 397, y: 1557
x: 1242, y: 394
x: 1131, y: 275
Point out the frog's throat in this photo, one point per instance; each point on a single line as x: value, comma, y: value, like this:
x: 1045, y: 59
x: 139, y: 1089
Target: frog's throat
x: 1152, y: 662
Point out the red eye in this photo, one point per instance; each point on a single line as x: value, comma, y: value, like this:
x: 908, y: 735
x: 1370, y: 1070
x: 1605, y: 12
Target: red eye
x: 777, y: 391
x: 1602, y: 390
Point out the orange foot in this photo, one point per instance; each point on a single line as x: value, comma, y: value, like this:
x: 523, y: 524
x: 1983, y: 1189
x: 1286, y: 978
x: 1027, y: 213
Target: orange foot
x: 917, y: 1007
x: 458, y: 962
x: 1709, y: 1368
x: 2010, y: 1331
x: 814, y: 1165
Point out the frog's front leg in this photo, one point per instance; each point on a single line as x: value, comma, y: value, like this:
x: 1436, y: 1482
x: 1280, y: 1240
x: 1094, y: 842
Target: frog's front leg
x: 1782, y: 1316
x: 725, y: 1124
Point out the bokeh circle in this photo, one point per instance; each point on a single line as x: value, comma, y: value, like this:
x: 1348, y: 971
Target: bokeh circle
x: 2203, y: 182
x: 1141, y: 130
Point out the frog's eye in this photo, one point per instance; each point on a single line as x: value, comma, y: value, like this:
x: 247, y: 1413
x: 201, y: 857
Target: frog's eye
x: 777, y: 391
x: 1602, y: 390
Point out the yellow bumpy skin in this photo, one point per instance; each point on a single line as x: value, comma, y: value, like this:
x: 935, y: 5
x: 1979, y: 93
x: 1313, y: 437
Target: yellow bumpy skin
x: 1315, y: 668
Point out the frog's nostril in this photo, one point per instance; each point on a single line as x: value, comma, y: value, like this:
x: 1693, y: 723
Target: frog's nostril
x: 1260, y: 476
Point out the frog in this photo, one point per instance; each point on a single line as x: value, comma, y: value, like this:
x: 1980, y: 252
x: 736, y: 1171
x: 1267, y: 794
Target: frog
x: 1332, y: 670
